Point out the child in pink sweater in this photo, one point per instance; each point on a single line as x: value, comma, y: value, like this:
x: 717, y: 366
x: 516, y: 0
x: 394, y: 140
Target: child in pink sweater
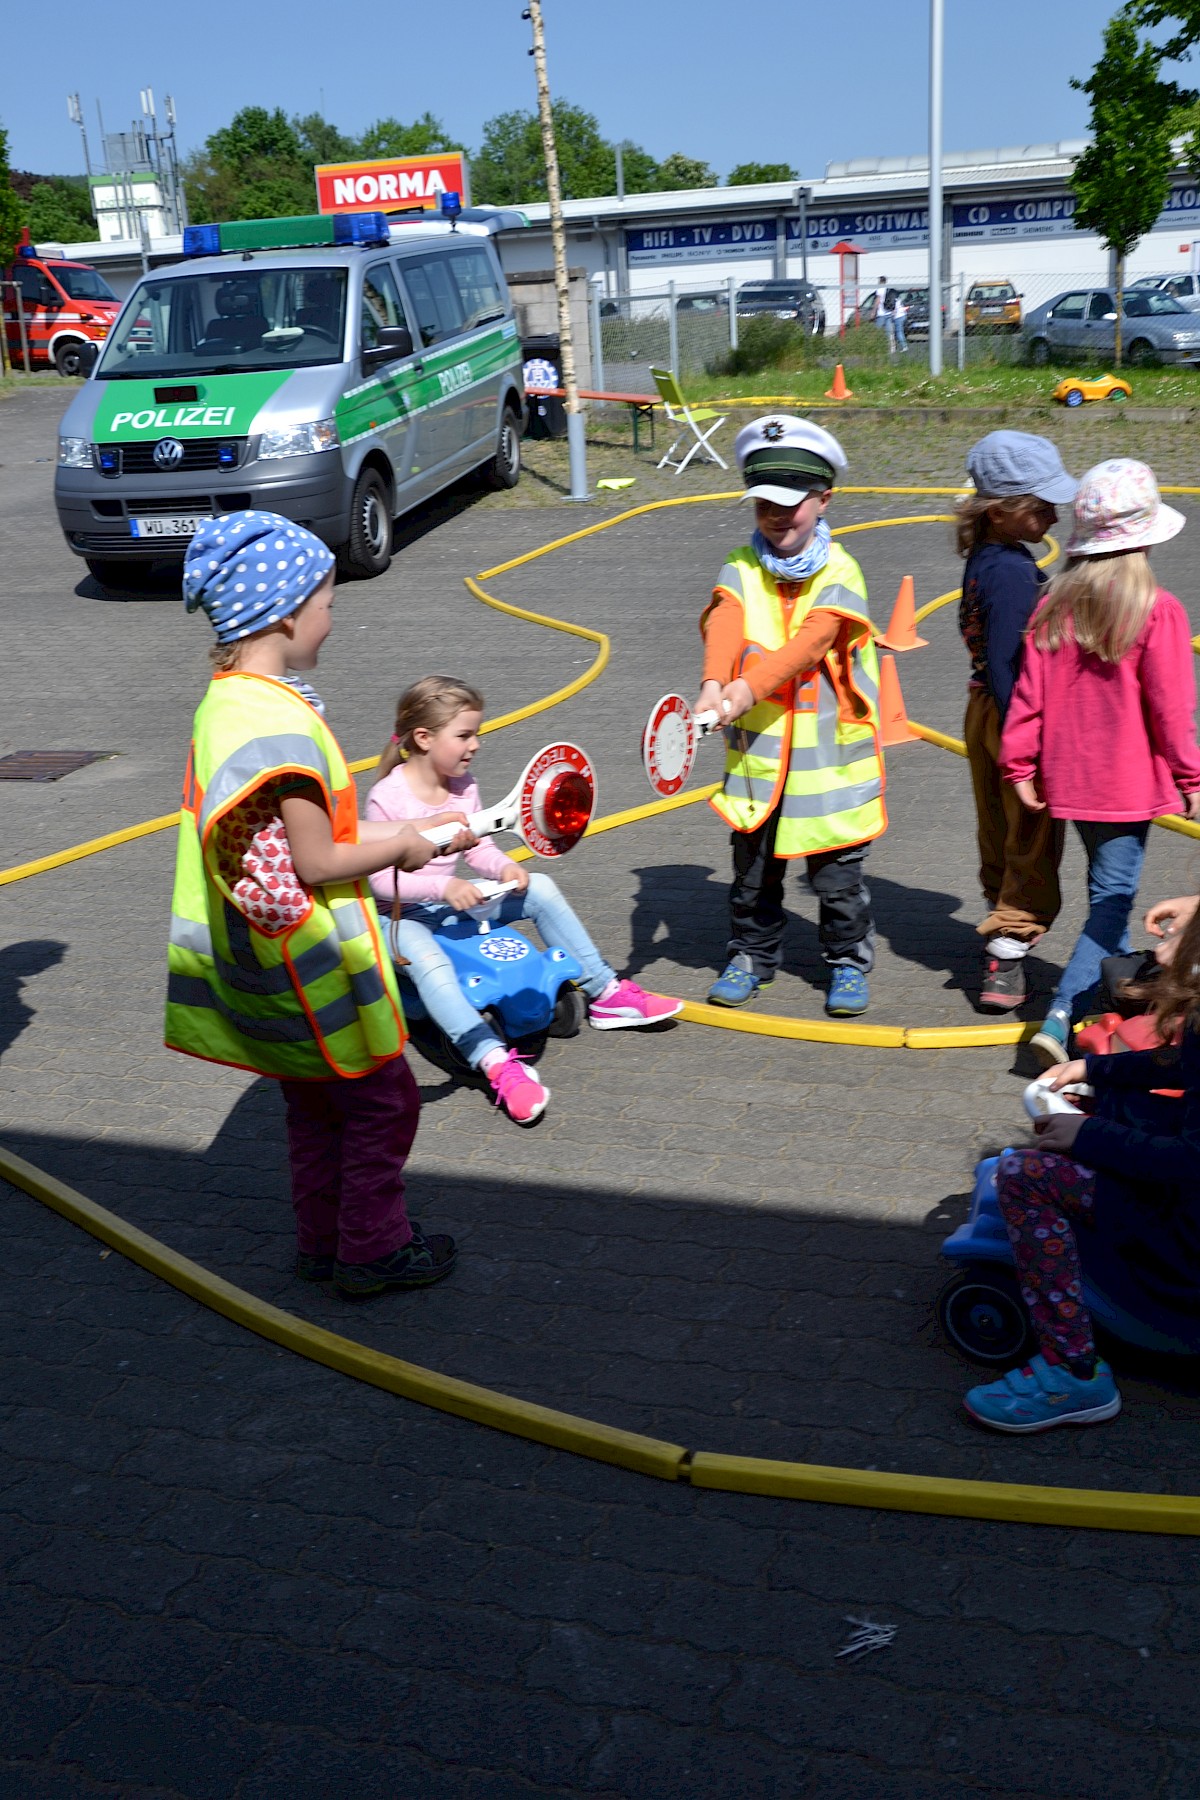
x: 1102, y: 724
x: 430, y: 754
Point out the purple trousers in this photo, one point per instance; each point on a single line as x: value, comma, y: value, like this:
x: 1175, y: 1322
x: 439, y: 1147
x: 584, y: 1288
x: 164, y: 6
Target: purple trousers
x: 348, y: 1142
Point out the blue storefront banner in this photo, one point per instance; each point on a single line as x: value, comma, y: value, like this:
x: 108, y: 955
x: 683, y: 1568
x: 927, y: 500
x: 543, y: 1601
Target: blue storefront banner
x: 883, y: 228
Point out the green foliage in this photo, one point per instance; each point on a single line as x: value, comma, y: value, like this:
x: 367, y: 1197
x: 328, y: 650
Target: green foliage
x: 321, y: 142
x: 1122, y: 178
x: 680, y: 171
x: 60, y: 210
x: 508, y: 168
x: 765, y: 342
x: 1185, y: 14
x: 10, y: 207
x: 391, y: 137
x: 748, y: 172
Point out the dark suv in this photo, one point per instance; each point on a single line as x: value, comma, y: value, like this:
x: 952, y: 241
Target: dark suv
x: 786, y: 300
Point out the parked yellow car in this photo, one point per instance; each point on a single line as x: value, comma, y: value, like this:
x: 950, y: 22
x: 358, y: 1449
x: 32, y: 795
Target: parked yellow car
x: 993, y: 306
x: 1073, y: 390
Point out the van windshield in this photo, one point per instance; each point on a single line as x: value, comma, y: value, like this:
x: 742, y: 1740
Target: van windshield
x: 81, y: 284
x: 224, y: 323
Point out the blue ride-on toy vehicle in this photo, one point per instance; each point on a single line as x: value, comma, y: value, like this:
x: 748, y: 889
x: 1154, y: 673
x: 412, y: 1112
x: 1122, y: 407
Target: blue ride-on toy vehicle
x: 983, y: 1315
x: 525, y: 992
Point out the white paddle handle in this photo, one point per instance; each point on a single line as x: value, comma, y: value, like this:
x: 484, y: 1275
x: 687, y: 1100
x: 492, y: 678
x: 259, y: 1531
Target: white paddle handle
x: 705, y: 722
x: 479, y: 824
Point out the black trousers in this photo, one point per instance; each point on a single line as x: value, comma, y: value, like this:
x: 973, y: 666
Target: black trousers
x: 756, y: 915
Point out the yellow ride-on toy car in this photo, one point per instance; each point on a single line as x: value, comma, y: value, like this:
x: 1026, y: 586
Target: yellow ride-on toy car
x: 1073, y: 390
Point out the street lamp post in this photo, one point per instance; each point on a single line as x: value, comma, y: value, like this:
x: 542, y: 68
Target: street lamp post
x: 937, y: 32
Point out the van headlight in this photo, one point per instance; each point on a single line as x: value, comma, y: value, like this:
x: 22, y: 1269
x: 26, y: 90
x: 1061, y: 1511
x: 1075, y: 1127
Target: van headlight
x: 298, y: 440
x: 74, y: 453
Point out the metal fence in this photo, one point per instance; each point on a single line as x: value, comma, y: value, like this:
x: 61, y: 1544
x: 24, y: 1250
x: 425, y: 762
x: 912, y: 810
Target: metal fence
x: 693, y: 330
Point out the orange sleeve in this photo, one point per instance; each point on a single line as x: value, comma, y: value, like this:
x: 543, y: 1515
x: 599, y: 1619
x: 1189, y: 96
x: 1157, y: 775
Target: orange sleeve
x: 723, y: 625
x: 814, y: 640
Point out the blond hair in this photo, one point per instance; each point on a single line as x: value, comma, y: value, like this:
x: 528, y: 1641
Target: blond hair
x: 972, y: 518
x: 426, y: 706
x: 1100, y: 603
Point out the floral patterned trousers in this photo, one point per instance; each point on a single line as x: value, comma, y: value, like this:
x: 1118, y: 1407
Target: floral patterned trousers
x: 1039, y: 1194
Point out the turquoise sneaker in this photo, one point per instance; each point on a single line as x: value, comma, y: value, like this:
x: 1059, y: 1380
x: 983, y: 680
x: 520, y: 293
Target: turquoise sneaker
x: 1044, y: 1394
x: 737, y: 982
x: 1051, y: 1043
x: 849, y: 993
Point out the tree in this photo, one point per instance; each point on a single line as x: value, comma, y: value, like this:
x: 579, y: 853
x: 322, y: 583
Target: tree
x: 391, y: 137
x: 253, y: 168
x: 509, y: 169
x: 10, y: 207
x: 1122, y: 178
x: 749, y: 172
x: 1183, y: 13
x: 680, y: 171
x: 60, y: 208
x: 321, y: 142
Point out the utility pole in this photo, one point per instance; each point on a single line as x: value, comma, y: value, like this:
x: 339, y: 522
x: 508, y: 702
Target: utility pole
x: 937, y: 36
x: 576, y: 442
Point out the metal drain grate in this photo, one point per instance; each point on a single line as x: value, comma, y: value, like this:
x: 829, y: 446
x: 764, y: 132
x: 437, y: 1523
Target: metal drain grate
x: 47, y: 765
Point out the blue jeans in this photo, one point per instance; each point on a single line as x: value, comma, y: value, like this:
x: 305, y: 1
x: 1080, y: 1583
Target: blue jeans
x: 432, y: 973
x: 1115, y: 853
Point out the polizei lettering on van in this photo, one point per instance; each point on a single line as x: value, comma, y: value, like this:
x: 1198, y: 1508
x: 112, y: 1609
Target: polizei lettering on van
x: 169, y: 419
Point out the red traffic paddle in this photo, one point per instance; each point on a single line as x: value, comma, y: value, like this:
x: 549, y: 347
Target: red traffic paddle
x: 669, y: 743
x: 549, y: 808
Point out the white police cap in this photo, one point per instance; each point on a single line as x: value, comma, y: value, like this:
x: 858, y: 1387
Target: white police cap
x: 782, y: 458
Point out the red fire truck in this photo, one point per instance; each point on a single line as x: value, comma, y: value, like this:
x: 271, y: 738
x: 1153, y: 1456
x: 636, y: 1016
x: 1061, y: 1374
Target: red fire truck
x: 62, y: 306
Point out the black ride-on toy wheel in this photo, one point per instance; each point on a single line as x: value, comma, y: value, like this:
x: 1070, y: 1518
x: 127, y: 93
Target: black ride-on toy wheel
x: 983, y: 1315
x: 570, y: 1011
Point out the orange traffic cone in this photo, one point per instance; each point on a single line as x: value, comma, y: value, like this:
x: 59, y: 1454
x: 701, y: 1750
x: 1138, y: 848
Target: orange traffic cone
x: 901, y: 633
x: 839, y: 390
x: 893, y: 720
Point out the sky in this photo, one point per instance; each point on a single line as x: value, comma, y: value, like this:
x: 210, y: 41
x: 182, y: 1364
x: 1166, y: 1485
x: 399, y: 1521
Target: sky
x: 796, y: 83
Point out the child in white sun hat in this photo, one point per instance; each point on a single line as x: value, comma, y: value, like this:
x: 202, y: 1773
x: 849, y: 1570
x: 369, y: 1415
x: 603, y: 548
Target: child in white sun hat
x: 1102, y: 724
x: 790, y: 667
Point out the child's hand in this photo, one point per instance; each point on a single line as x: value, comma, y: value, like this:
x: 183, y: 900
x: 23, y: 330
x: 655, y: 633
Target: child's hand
x: 1169, y: 917
x: 411, y: 850
x: 465, y: 839
x: 736, y: 699
x: 1058, y: 1131
x: 709, y: 698
x: 462, y: 895
x: 1027, y: 794
x: 518, y: 873
x: 1192, y: 804
x: 1064, y: 1075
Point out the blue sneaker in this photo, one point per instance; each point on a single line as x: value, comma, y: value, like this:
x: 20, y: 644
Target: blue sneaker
x: 1044, y: 1394
x: 737, y: 982
x: 849, y: 993
x: 1051, y: 1043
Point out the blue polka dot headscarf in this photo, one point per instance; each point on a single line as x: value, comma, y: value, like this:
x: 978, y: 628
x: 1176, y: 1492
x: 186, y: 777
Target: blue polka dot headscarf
x: 248, y: 570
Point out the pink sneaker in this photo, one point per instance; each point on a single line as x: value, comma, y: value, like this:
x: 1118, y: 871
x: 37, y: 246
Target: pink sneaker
x: 518, y: 1089
x: 629, y: 1006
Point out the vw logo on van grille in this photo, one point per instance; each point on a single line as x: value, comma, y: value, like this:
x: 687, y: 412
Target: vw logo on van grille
x: 168, y: 453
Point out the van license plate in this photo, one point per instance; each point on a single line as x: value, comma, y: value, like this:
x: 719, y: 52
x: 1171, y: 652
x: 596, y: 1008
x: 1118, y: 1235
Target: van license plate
x: 168, y: 525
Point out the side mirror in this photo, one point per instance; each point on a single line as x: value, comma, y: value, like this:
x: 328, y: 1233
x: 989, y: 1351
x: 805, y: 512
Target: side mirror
x: 394, y: 341
x: 89, y: 356
x: 1109, y: 317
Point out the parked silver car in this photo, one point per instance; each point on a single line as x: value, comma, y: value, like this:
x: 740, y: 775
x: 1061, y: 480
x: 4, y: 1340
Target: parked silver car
x: 1156, y: 328
x: 1184, y: 288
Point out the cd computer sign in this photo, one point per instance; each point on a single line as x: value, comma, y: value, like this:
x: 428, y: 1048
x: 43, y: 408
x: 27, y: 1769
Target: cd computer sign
x: 393, y: 183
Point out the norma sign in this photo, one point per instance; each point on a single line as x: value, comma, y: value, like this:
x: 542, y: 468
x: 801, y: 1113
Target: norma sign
x: 392, y: 183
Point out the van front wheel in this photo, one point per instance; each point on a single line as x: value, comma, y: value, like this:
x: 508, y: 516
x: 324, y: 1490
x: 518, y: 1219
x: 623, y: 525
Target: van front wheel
x: 504, y: 469
x: 368, y: 550
x: 68, y: 358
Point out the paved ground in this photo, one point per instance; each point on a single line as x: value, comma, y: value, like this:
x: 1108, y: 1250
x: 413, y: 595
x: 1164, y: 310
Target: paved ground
x: 230, y: 1573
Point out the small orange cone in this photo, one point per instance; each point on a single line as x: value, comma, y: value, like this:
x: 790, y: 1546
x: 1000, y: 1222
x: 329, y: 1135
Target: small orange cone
x: 839, y: 390
x: 893, y: 720
x: 901, y: 633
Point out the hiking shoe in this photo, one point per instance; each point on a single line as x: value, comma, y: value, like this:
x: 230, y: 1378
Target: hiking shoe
x: 849, y: 993
x: 1051, y: 1043
x: 1003, y: 985
x: 1042, y: 1395
x: 629, y: 1005
x: 313, y: 1268
x: 419, y: 1263
x: 518, y: 1089
x: 737, y: 982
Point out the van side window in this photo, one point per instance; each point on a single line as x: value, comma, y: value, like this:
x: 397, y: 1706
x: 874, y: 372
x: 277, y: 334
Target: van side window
x: 381, y: 303
x: 1100, y: 306
x: 36, y: 288
x: 477, y: 286
x: 434, y: 296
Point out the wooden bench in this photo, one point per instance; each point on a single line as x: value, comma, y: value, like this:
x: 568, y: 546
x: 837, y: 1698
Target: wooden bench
x: 641, y: 406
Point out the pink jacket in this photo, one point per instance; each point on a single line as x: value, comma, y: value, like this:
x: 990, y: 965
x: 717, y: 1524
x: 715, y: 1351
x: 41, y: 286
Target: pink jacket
x: 393, y: 798
x: 1111, y: 741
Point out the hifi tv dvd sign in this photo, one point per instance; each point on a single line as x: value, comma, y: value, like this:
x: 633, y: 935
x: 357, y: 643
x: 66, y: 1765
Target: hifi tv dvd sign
x: 392, y: 183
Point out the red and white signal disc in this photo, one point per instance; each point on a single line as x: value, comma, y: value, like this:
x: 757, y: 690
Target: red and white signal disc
x: 669, y: 745
x: 558, y: 798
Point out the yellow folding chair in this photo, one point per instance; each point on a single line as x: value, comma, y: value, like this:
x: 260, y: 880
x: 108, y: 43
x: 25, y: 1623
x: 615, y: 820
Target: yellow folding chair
x: 689, y: 419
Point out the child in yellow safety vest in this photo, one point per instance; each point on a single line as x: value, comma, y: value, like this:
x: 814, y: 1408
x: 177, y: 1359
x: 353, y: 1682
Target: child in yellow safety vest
x: 791, y: 670
x: 276, y: 961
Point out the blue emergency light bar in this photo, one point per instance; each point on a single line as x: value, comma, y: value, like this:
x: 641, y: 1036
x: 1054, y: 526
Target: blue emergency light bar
x: 313, y: 231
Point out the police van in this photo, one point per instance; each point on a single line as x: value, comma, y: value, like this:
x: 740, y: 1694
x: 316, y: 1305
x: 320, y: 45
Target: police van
x: 336, y: 369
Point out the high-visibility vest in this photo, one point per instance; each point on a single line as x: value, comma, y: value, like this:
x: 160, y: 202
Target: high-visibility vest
x: 814, y: 756
x: 314, y: 999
